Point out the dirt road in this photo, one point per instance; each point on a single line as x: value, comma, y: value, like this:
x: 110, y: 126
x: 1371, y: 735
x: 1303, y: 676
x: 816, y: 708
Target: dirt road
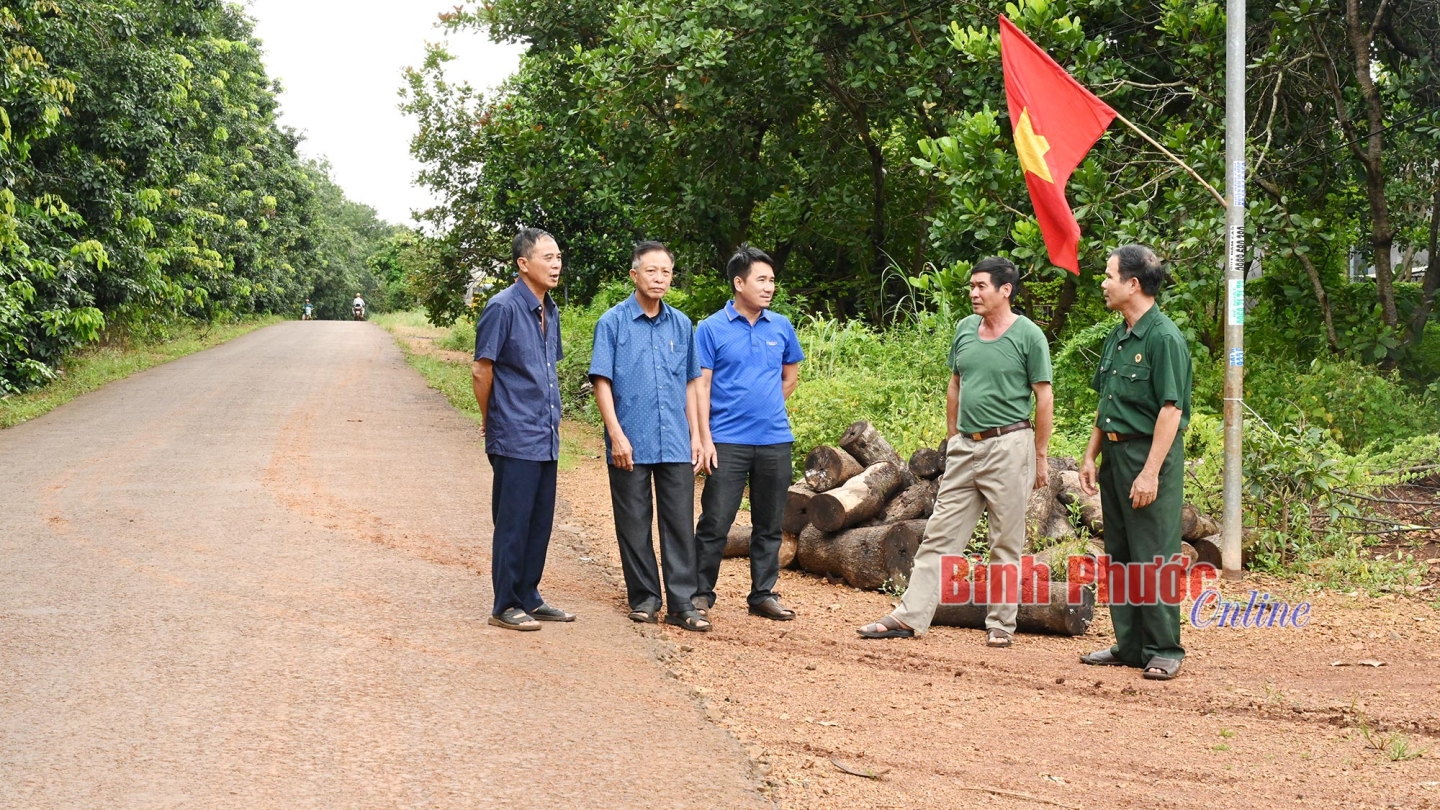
x: 258, y: 577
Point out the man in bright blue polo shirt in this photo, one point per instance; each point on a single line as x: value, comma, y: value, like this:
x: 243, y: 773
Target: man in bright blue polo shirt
x: 643, y: 366
x: 517, y: 345
x: 750, y: 364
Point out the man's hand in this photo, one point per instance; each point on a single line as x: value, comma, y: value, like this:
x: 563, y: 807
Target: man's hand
x: 1089, y: 476
x: 1042, y: 472
x: 1145, y: 488
x: 697, y: 455
x: 709, y: 459
x: 622, y: 456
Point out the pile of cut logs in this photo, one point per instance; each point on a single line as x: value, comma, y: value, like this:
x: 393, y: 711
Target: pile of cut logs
x: 860, y: 513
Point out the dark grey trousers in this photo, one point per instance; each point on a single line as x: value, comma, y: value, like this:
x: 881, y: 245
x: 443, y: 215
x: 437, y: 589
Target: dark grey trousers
x: 769, y: 470
x: 674, y: 493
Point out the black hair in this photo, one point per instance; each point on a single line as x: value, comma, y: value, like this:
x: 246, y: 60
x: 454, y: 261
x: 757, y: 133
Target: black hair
x: 1002, y: 271
x: 1141, y: 263
x: 745, y: 258
x: 525, y: 241
x: 648, y: 246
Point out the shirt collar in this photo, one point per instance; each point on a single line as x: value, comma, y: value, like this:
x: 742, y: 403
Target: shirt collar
x: 1143, y: 325
x: 635, y: 312
x: 531, y: 302
x: 732, y: 313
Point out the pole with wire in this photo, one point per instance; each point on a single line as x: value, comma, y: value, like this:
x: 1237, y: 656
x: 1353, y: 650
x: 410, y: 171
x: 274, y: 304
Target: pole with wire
x: 1230, y: 547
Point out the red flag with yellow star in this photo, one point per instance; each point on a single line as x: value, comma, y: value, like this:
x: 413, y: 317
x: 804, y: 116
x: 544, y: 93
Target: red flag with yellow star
x: 1056, y: 121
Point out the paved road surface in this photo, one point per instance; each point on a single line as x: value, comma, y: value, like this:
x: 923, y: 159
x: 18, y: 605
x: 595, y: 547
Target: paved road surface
x: 258, y: 577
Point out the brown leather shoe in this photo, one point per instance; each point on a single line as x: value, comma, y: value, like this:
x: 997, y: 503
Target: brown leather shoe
x: 772, y: 609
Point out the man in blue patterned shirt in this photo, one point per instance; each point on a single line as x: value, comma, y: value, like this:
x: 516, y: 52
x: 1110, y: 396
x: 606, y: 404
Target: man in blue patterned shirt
x: 644, y: 366
x: 517, y: 344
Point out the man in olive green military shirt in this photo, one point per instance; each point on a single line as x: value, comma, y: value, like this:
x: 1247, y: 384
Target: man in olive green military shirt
x: 1144, y: 385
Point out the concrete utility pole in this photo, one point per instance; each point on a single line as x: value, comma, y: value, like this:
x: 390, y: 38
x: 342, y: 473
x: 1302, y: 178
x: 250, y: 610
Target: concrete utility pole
x: 1234, y: 281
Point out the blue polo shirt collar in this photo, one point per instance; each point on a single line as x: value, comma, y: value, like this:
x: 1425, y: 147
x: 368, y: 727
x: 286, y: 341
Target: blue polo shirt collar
x: 732, y: 313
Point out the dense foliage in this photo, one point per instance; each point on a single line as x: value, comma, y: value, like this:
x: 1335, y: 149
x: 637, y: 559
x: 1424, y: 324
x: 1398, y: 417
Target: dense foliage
x: 866, y: 146
x: 143, y: 177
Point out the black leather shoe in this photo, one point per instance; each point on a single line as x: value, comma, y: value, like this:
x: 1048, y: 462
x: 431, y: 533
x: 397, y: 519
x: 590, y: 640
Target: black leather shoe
x: 772, y: 609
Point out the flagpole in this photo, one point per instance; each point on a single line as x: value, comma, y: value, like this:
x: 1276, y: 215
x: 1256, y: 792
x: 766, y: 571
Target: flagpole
x: 1186, y: 166
x: 1230, y: 547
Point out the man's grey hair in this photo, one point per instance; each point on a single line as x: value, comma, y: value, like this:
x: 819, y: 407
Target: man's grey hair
x: 1140, y: 263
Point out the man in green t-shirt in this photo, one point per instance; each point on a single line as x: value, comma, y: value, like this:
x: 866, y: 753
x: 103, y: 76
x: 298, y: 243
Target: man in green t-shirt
x: 1144, y: 385
x: 995, y: 454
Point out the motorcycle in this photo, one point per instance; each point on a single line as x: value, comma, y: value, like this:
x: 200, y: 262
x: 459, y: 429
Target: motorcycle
x: 359, y: 312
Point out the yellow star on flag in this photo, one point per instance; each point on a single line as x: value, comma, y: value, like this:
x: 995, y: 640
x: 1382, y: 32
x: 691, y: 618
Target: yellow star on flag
x: 1032, y: 148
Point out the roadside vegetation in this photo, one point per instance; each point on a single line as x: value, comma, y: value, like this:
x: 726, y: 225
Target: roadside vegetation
x: 147, y: 187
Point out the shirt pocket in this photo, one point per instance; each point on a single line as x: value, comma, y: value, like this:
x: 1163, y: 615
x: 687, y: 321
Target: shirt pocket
x: 1132, y: 383
x: 679, y: 358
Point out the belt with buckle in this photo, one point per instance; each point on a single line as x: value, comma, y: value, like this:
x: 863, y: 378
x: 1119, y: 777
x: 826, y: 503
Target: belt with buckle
x: 998, y: 431
x: 1126, y: 437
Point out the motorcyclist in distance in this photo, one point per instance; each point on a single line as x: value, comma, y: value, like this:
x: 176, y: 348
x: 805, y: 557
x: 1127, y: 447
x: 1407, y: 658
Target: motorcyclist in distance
x: 359, y: 307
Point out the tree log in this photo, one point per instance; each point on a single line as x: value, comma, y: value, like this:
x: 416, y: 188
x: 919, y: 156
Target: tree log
x: 1207, y: 549
x: 926, y: 463
x: 1042, y: 506
x: 1060, y: 527
x: 869, y: 448
x: 1056, y: 618
x: 737, y: 544
x: 1195, y: 524
x: 797, y: 508
x: 1070, y: 493
x: 860, y: 498
x: 865, y: 557
x: 916, y: 502
x: 828, y: 467
x: 944, y: 451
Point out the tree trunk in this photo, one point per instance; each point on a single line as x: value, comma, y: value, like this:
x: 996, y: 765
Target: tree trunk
x: 915, y: 502
x: 868, y: 447
x: 861, y: 498
x: 828, y: 467
x: 1054, y: 618
x: 797, y: 509
x: 1091, y: 517
x: 1431, y: 283
x: 866, y: 557
x: 1382, y: 234
x: 926, y: 463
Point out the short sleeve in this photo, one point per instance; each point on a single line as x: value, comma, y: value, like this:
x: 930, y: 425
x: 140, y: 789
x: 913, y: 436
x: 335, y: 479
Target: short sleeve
x: 692, y: 364
x: 1037, y: 357
x: 793, y: 353
x: 491, y: 331
x: 1097, y: 381
x: 602, y: 357
x: 705, y: 345
x: 1168, y: 370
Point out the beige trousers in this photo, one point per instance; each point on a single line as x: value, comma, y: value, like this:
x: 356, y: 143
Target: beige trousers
x: 997, y: 474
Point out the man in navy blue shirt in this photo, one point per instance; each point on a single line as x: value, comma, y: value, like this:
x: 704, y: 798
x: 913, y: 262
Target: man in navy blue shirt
x: 644, y: 365
x: 517, y: 345
x: 750, y: 364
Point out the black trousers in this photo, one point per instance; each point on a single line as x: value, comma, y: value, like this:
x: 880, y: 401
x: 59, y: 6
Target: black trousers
x: 768, y: 469
x: 674, y: 495
x: 522, y: 508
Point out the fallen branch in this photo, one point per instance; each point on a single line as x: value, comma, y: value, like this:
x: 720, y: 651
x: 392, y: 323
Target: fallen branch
x: 1017, y: 795
x: 866, y: 773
